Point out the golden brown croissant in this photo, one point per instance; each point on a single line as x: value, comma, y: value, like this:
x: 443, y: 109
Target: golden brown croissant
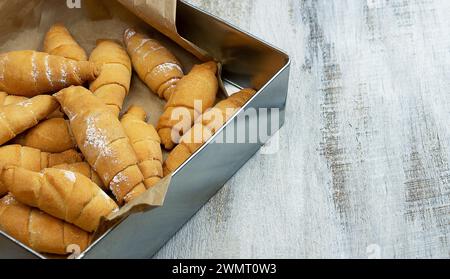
x: 29, y: 73
x: 38, y: 230
x: 67, y: 157
x: 113, y: 83
x: 146, y: 144
x: 16, y: 118
x: 155, y: 64
x: 33, y: 159
x: 66, y: 195
x: 194, y: 94
x: 84, y: 169
x: 103, y: 141
x: 59, y: 41
x: 52, y: 135
x: 6, y: 99
x: 208, y: 124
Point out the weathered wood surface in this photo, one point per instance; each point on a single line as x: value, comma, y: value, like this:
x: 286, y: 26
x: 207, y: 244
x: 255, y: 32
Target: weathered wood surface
x: 363, y: 166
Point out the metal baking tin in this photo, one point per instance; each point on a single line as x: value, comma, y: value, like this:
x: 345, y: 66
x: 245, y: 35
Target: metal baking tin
x: 246, y: 61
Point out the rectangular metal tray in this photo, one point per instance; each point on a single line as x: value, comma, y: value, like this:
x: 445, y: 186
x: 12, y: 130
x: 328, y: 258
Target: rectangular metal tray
x: 247, y: 62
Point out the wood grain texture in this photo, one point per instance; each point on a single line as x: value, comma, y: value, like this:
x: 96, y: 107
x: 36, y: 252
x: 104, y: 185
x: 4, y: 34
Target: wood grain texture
x: 363, y: 166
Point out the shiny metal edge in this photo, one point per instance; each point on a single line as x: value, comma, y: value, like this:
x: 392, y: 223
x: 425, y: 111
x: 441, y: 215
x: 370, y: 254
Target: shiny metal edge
x: 275, y: 48
x: 20, y: 245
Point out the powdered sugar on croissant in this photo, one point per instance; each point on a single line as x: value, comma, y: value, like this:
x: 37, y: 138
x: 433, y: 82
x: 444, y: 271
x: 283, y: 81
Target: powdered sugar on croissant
x: 67, y: 195
x: 155, y: 64
x: 30, y: 73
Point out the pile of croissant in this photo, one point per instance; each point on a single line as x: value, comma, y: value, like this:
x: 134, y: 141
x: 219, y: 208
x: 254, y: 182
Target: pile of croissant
x: 66, y: 158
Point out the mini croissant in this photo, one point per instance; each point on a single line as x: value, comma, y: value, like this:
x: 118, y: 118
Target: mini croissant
x: 154, y: 63
x: 146, y: 144
x: 6, y: 99
x: 59, y: 41
x: 194, y: 94
x: 66, y: 195
x: 113, y: 83
x: 38, y: 230
x: 206, y: 126
x: 52, y: 135
x: 84, y: 169
x: 16, y: 118
x: 33, y: 159
x: 29, y: 73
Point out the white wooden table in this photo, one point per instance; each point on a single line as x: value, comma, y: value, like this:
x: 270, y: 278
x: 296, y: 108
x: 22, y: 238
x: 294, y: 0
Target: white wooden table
x: 363, y: 166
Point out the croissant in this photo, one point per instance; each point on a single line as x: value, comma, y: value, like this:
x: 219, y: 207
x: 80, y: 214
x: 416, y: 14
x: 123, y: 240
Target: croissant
x: 59, y: 41
x: 103, y: 141
x: 53, y: 135
x: 113, y: 83
x: 66, y: 195
x: 84, y: 169
x: 16, y: 118
x: 33, y: 159
x: 6, y: 99
x: 146, y: 144
x: 38, y: 230
x: 195, y: 93
x: 155, y: 64
x: 29, y: 73
x: 205, y: 128
x: 70, y: 156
